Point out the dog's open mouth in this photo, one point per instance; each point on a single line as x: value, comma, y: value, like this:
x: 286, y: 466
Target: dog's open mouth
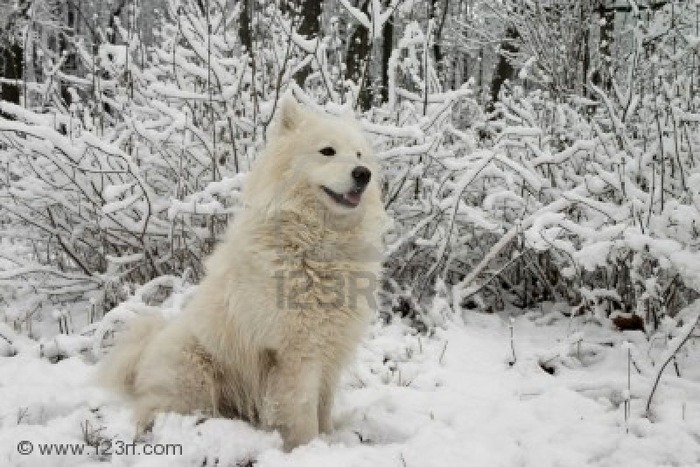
x: 350, y: 199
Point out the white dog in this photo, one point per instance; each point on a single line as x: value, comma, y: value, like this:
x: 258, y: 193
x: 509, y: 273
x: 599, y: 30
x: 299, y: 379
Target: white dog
x: 286, y: 296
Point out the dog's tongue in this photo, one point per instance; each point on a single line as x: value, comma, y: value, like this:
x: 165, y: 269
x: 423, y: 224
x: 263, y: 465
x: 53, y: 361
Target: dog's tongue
x: 353, y: 197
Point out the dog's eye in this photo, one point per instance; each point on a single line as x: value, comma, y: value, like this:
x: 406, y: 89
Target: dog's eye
x: 359, y: 154
x: 328, y: 151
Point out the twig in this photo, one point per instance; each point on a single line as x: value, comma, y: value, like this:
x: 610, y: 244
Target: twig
x: 555, y: 206
x: 674, y: 346
x: 511, y: 325
x: 442, y: 354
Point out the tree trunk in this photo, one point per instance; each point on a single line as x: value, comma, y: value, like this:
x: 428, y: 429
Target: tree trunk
x: 67, y: 49
x: 244, y: 33
x: 504, y: 70
x: 387, y: 48
x: 12, y: 55
x: 439, y: 18
x: 602, y: 77
x: 359, y: 48
x: 585, y: 52
x: 310, y: 12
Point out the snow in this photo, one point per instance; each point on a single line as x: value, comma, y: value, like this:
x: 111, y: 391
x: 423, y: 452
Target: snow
x: 593, y: 196
x: 451, y: 398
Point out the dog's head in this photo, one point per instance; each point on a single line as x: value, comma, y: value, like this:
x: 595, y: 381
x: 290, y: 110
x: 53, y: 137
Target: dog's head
x: 319, y: 157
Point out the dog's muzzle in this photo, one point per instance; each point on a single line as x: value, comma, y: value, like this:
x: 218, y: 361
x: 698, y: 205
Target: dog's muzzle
x: 361, y: 175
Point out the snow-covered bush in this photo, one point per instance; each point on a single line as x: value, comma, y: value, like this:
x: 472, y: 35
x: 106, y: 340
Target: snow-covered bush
x: 549, y: 197
x: 589, y: 201
x: 137, y: 177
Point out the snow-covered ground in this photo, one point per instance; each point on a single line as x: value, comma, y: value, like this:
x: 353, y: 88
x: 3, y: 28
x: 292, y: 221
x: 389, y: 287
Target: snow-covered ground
x: 453, y: 398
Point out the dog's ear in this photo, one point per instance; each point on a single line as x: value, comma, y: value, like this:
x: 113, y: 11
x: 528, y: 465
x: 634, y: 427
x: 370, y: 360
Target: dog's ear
x: 290, y: 113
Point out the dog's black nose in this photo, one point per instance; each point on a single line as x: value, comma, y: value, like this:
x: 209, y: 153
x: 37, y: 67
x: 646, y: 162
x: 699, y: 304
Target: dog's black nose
x: 361, y: 175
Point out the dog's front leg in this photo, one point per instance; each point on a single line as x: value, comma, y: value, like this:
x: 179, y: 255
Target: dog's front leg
x: 292, y: 400
x: 329, y: 383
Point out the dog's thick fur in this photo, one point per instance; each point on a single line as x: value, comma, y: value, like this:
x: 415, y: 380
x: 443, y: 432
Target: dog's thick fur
x: 284, y: 301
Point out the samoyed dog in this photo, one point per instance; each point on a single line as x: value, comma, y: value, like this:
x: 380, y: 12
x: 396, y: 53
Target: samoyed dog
x: 286, y: 296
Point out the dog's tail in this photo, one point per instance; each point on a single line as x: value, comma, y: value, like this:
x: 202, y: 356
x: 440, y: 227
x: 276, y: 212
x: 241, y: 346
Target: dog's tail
x: 118, y: 370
